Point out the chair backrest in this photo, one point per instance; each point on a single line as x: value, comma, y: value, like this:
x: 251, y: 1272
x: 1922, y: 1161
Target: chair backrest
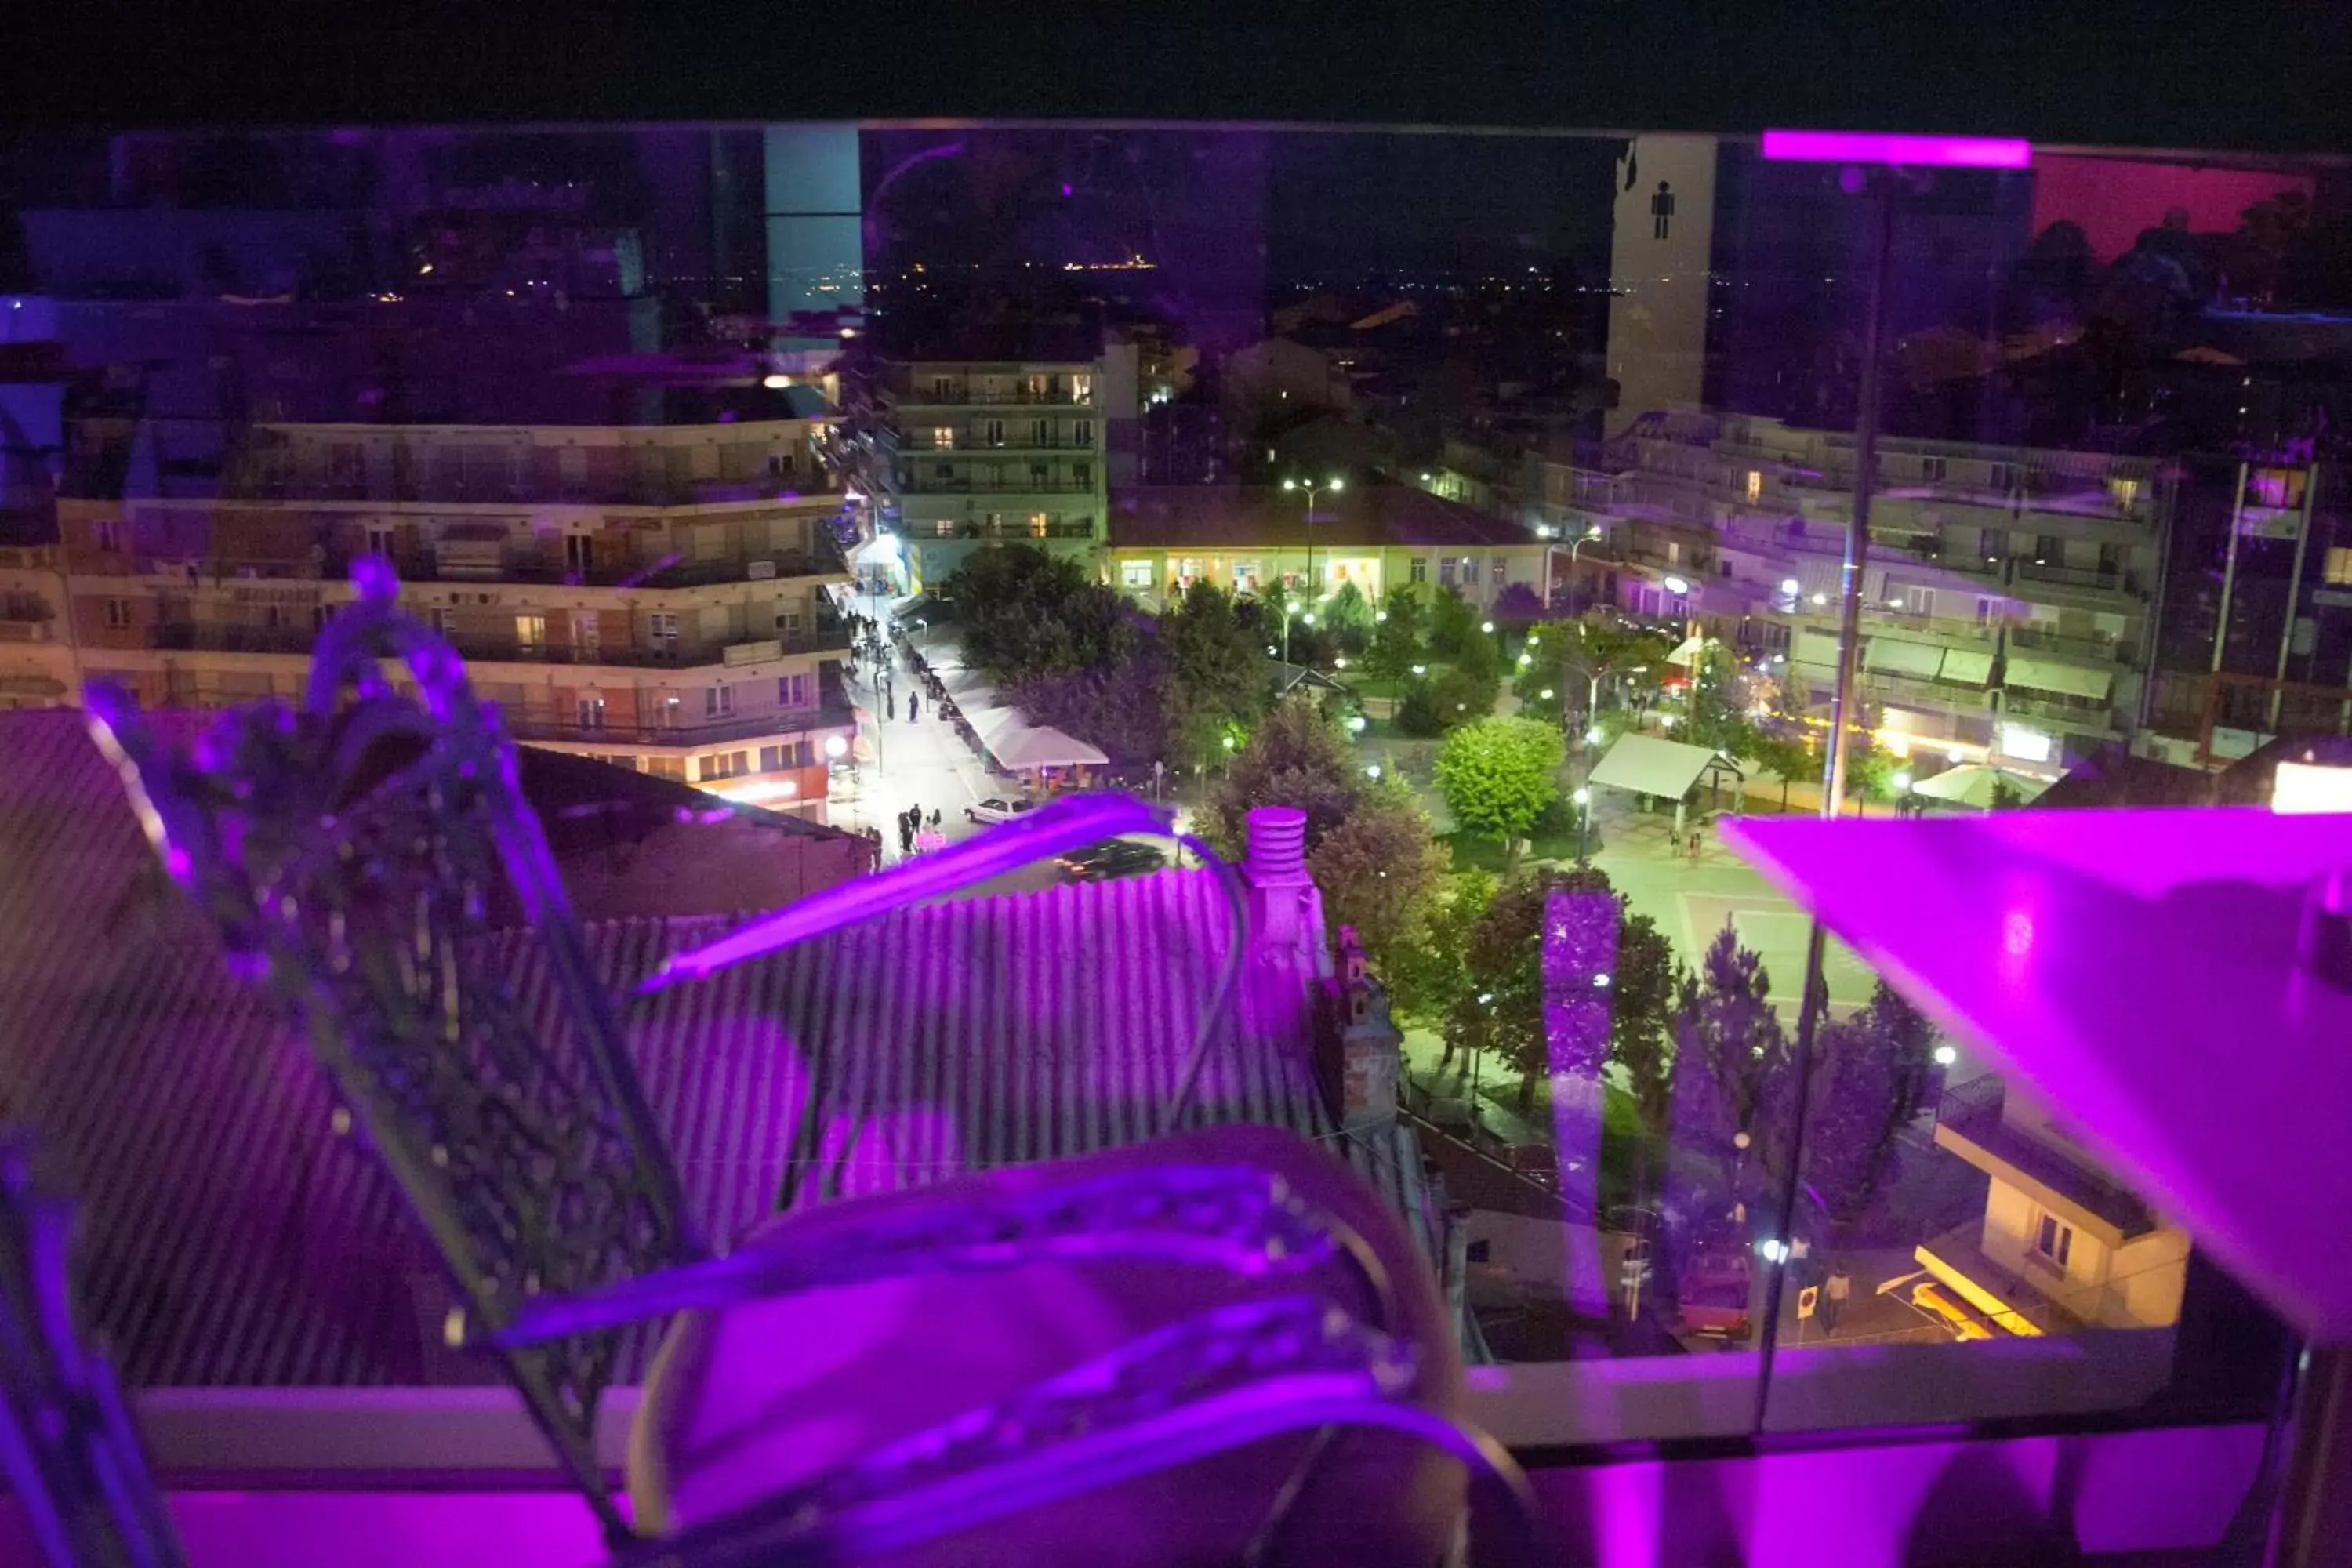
x: 80, y: 1481
x: 347, y: 854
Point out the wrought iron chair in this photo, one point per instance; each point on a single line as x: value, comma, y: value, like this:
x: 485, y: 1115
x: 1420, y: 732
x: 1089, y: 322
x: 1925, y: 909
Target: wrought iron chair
x: 66, y: 1449
x: 347, y: 852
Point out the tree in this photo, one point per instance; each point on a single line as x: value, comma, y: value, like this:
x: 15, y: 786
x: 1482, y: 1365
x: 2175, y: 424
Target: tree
x: 1022, y: 611
x: 1580, y: 659
x: 1729, y: 1058
x: 1498, y: 776
x: 1457, y: 697
x: 1348, y: 615
x: 1296, y: 757
x: 1871, y: 1073
x: 1212, y: 673
x: 1417, y: 711
x: 1428, y: 972
x: 1115, y: 705
x: 1715, y: 720
x: 1643, y: 993
x: 1506, y: 965
x: 1786, y: 755
x: 1398, y: 634
x: 1517, y: 605
x: 1869, y: 768
x: 1378, y: 869
x: 1452, y: 623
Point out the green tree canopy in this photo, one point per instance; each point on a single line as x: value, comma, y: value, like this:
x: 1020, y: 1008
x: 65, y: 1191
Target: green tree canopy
x: 1348, y: 615
x: 1378, y: 869
x: 1022, y: 611
x: 1452, y: 623
x: 1728, y: 1050
x: 1572, y: 656
x: 1212, y: 673
x: 1294, y: 757
x: 1428, y: 972
x: 1399, y: 632
x: 1499, y: 775
x: 1714, y: 719
x: 1787, y: 755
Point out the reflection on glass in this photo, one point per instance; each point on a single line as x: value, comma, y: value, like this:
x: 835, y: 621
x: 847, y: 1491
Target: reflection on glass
x: 1487, y: 500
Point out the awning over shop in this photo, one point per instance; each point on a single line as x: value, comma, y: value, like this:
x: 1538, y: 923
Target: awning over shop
x: 1973, y: 783
x: 1967, y: 666
x: 1021, y: 748
x: 2070, y: 680
x: 1688, y: 656
x: 1815, y: 647
x: 1645, y: 764
x: 1894, y: 656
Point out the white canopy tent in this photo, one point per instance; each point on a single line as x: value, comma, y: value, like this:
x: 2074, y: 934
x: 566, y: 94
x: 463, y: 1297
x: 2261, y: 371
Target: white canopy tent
x: 1973, y: 783
x: 1645, y: 764
x: 1022, y: 748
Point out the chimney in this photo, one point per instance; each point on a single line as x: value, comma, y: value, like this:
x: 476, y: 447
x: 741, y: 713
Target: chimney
x: 1371, y: 1051
x: 1285, y: 912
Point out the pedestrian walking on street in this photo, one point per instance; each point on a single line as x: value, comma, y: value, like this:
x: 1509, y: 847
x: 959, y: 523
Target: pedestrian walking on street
x: 905, y: 835
x: 1694, y: 844
x: 914, y: 708
x: 1833, y: 1294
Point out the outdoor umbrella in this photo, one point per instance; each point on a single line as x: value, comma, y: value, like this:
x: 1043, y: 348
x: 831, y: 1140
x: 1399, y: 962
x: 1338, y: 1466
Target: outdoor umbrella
x: 1973, y: 783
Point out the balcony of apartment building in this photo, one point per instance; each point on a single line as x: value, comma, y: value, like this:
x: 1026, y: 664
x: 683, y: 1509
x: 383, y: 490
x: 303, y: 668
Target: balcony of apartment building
x: 953, y: 528
x: 517, y: 645
x: 27, y: 617
x: 913, y: 482
x: 2092, y: 647
x: 964, y: 393
x: 491, y: 552
x: 2069, y: 711
x: 686, y: 728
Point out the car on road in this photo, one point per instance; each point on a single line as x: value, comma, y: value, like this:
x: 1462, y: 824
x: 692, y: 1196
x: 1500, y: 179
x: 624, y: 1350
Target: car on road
x: 1110, y: 858
x: 997, y: 808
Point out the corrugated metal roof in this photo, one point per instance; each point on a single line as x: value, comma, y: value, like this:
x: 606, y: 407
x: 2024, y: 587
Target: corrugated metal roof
x: 232, y: 1240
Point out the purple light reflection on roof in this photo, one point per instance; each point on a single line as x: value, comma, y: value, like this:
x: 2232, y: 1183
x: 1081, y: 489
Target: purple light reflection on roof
x: 1876, y: 147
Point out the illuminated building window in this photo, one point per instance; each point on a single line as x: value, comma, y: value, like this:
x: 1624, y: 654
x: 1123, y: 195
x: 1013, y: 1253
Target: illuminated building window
x: 1037, y: 524
x: 943, y: 436
x: 2339, y: 564
x: 1135, y: 574
x: 1755, y: 485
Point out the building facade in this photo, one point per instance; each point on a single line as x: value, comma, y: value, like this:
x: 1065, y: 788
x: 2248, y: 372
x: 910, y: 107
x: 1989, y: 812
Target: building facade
x: 1248, y: 538
x: 970, y: 452
x: 2061, y: 1246
x: 2008, y: 593
x: 656, y: 596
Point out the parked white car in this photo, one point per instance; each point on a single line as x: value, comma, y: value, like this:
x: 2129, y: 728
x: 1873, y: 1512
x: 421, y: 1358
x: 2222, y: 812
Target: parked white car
x: 994, y: 809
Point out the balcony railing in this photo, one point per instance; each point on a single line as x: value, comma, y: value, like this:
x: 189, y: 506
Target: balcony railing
x: 495, y: 650
x: 967, y: 396
x: 2037, y: 705
x: 27, y: 631
x: 923, y: 485
x: 228, y: 638
x: 2107, y: 579
x: 822, y: 559
x: 629, y: 491
x: 2102, y: 649
x: 1007, y: 530
x: 833, y: 713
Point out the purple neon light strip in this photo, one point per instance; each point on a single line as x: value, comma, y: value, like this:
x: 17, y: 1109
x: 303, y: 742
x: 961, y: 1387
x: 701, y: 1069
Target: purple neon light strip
x: 1875, y: 147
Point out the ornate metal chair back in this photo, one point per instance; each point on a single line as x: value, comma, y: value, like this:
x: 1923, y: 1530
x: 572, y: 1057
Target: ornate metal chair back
x: 348, y: 853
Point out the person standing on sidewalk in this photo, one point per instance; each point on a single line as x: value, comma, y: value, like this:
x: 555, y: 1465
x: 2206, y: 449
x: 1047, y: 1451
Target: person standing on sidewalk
x: 1834, y: 1291
x: 914, y: 706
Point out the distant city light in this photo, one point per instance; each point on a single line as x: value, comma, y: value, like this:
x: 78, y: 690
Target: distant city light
x: 1955, y: 756
x: 1339, y: 661
x: 1526, y: 660
x: 835, y: 747
x: 1308, y: 619
x: 1546, y: 694
x: 1487, y: 626
x: 1677, y: 586
x: 1821, y: 598
x: 1543, y: 530
x: 1583, y: 796
x: 1228, y: 742
x: 775, y: 382
x: 1593, y: 736
x: 1356, y: 723
x: 1381, y: 615
x: 1788, y: 586
x: 1902, y: 783
x: 1371, y: 770
x: 1946, y: 1056
x: 1421, y: 670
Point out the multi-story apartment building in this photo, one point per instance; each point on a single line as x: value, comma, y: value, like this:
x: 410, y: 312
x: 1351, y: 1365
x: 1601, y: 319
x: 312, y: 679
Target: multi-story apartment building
x: 653, y: 594
x: 2009, y: 594
x: 967, y: 451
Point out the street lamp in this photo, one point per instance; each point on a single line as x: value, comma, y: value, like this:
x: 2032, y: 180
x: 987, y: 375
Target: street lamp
x: 1583, y: 798
x: 1335, y: 485
x: 835, y: 747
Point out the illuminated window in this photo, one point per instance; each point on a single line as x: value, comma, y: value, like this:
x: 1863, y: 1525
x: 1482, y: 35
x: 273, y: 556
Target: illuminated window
x: 591, y: 713
x: 1038, y: 524
x: 666, y: 768
x: 1419, y: 570
x: 1135, y: 574
x: 1755, y: 486
x: 530, y: 633
x: 2339, y: 564
x: 943, y: 436
x: 1082, y: 388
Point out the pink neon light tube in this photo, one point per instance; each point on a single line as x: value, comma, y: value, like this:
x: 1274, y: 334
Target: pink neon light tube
x: 1874, y: 147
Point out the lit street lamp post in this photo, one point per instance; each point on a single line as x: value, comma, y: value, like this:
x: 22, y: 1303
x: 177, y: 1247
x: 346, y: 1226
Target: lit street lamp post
x: 1335, y: 485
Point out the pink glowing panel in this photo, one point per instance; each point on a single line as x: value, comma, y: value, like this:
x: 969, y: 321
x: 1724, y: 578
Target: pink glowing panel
x: 2137, y: 970
x: 1876, y: 147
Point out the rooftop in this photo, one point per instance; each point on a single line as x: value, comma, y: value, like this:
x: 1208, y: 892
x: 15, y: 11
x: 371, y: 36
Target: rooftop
x: 233, y: 1240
